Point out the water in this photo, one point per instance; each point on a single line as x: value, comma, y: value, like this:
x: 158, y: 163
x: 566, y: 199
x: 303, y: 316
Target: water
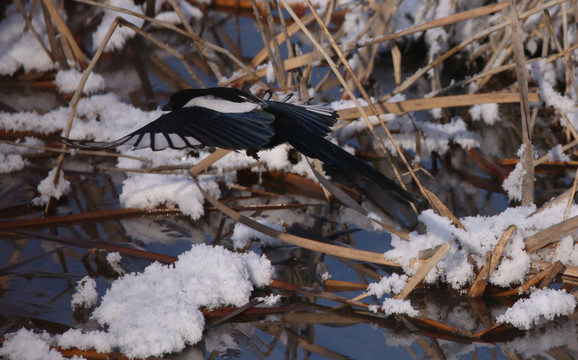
x: 39, y: 266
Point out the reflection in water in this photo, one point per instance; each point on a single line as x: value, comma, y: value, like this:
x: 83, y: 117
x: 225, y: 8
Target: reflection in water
x: 40, y: 265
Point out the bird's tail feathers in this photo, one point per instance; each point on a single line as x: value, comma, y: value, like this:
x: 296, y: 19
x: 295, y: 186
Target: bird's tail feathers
x: 333, y: 155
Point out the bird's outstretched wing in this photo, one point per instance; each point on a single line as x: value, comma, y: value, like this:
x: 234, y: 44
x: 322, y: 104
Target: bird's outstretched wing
x: 313, y: 146
x: 196, y: 127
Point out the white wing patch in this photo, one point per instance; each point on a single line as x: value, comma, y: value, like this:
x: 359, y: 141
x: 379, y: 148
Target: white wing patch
x: 160, y: 142
x: 317, y: 109
x: 221, y: 105
x: 192, y: 140
x: 178, y: 141
x: 145, y: 141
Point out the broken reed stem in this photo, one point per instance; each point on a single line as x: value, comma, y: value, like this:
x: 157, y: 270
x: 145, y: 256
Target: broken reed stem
x: 418, y: 74
x: 354, y: 98
x: 180, y: 31
x: 277, y: 60
x: 334, y: 250
x: 507, y: 67
x: 30, y: 26
x: 75, y: 152
x: 75, y: 56
x: 267, y: 39
x: 165, y: 47
x: 571, y: 197
x: 198, y: 45
x: 492, y: 259
x: 550, y: 235
x: 76, y: 98
x: 405, y: 106
x: 424, y: 270
x: 522, y: 75
x: 547, y: 274
x: 208, y: 161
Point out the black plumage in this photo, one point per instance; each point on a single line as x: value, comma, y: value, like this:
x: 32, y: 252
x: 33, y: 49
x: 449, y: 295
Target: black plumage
x: 235, y: 120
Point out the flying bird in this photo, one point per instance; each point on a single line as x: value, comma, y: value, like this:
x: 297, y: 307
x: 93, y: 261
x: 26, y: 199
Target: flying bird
x: 236, y: 120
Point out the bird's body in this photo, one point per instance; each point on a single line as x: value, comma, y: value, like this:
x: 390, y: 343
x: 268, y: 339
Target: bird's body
x: 235, y: 120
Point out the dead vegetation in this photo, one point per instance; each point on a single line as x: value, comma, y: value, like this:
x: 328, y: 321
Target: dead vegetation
x: 495, y: 59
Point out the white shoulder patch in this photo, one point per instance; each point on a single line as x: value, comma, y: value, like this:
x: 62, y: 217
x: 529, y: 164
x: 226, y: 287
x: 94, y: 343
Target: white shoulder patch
x: 221, y: 105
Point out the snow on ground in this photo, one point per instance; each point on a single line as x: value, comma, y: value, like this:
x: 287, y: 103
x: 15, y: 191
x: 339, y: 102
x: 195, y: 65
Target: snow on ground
x: 157, y: 311
x: 482, y: 235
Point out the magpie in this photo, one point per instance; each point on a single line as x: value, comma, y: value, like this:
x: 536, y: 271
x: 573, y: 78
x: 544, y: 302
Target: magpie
x: 232, y: 119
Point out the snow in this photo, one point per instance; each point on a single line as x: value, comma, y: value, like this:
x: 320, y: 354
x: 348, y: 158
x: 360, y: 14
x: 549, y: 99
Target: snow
x: 242, y: 235
x: 113, y: 257
x: 205, y: 276
x: 393, y: 284
x: 98, y: 116
x: 435, y: 137
x: 86, y: 294
x: 21, y: 50
x: 148, y: 191
x: 100, y: 341
x: 189, y: 11
x: 11, y: 163
x: 157, y: 311
x: 483, y: 233
x: 11, y: 159
x: 270, y: 73
x: 47, y: 188
x: 67, y: 81
x: 377, y: 218
x: 542, y: 304
x: 488, y: 113
x: 545, y: 75
x: 27, y: 345
x: 211, y: 277
x: 270, y: 300
x: 121, y: 33
x: 557, y: 154
x: 395, y: 307
x: 513, y: 183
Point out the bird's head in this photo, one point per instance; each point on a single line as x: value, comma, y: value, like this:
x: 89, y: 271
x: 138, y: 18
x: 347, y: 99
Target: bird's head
x: 182, y: 97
